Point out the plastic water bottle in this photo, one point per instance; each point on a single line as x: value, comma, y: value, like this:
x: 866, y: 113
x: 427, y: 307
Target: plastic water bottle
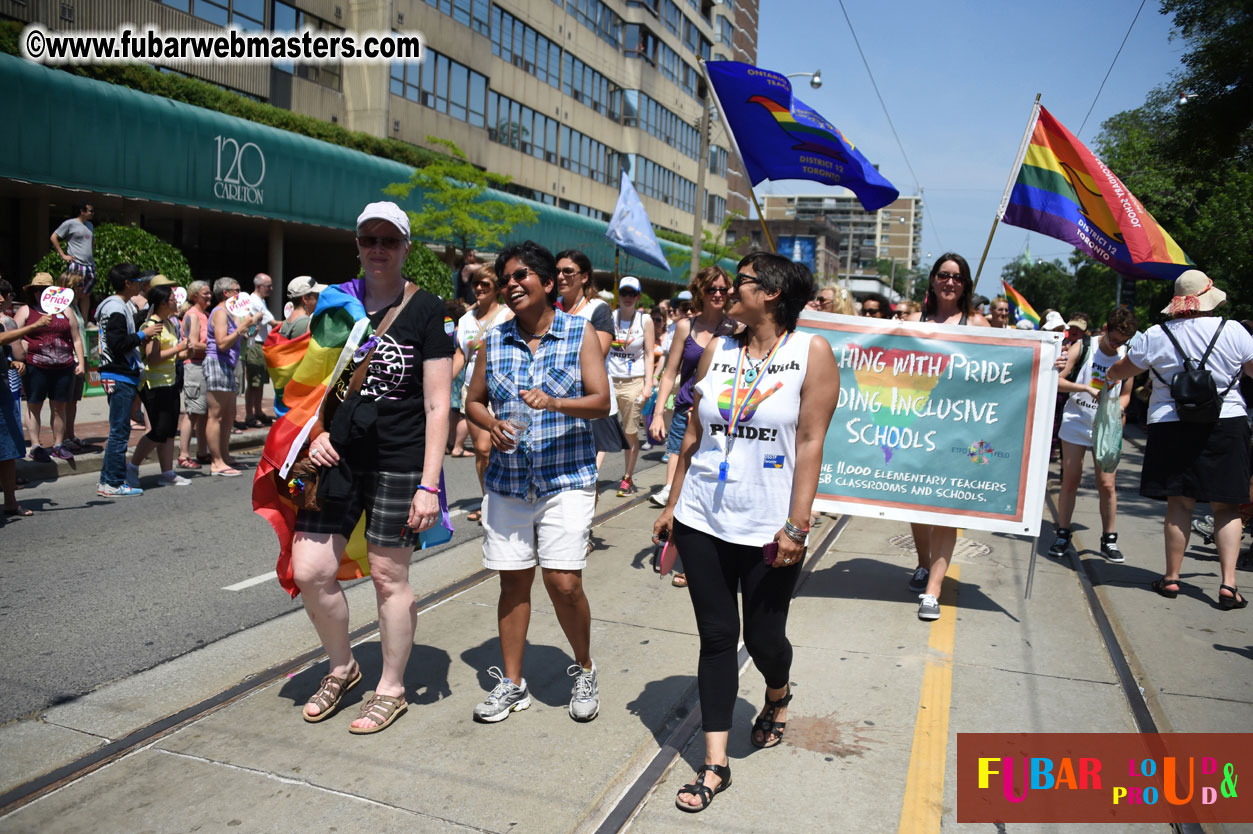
x: 518, y: 422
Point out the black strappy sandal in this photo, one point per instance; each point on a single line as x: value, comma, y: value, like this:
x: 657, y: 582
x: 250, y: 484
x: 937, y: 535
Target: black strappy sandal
x: 767, y: 726
x: 698, y: 788
x: 1233, y: 602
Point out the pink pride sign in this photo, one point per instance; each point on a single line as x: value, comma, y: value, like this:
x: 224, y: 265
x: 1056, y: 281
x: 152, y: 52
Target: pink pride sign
x: 180, y: 296
x: 238, y: 306
x: 55, y: 300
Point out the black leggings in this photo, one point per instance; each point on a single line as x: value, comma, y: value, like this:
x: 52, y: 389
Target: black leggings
x: 162, y: 407
x: 715, y: 569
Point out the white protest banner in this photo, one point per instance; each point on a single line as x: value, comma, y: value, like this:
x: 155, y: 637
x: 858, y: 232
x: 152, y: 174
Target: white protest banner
x: 55, y: 300
x: 938, y: 424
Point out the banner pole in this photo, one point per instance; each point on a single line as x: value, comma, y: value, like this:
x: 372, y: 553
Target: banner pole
x: 722, y: 117
x: 1009, y: 186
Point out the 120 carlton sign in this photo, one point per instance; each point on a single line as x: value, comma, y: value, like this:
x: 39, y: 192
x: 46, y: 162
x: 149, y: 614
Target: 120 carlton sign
x: 239, y: 171
x: 938, y: 424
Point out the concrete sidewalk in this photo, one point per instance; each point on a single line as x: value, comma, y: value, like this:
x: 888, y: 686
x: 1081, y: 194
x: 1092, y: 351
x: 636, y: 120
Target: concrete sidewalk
x: 870, y: 745
x: 92, y: 427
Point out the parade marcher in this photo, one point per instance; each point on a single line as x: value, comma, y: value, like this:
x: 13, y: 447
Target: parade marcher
x: 159, y: 390
x: 55, y: 361
x: 303, y: 293
x: 79, y: 235
x: 472, y: 330
x: 998, y: 313
x: 121, y: 369
x: 834, y: 299
x: 542, y: 368
x: 1195, y: 457
x: 948, y: 301
x: 251, y: 367
x: 458, y: 425
x: 221, y: 356
x: 462, y: 275
x: 630, y: 371
x: 875, y: 306
x: 739, y: 526
x: 576, y: 295
x: 76, y: 281
x: 195, y: 416
x: 1078, y: 418
x: 390, y: 434
x: 12, y: 443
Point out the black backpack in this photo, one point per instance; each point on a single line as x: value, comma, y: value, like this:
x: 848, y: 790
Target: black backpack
x: 1083, y: 357
x: 1196, y: 395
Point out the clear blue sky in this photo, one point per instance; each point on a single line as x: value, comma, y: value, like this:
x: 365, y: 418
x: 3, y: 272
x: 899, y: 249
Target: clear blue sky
x: 958, y: 79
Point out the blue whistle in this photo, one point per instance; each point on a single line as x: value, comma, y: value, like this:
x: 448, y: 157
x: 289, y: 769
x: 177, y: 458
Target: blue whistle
x: 723, y: 469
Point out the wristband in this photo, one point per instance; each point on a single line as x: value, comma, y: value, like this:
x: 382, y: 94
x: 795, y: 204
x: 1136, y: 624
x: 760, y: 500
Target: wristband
x: 432, y: 490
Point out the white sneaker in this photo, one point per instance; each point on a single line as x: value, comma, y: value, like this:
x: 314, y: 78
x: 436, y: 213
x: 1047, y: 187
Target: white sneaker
x: 928, y: 607
x: 661, y: 496
x: 132, y: 476
x: 172, y: 478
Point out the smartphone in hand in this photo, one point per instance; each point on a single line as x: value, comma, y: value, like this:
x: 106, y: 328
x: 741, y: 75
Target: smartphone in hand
x: 770, y: 552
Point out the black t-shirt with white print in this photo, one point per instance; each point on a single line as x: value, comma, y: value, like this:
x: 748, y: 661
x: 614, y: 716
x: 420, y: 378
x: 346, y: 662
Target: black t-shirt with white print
x: 393, y: 386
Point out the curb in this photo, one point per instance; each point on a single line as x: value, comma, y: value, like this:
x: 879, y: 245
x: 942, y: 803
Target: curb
x: 91, y: 462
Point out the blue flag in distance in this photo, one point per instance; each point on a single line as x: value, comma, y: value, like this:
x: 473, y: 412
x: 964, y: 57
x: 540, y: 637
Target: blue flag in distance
x: 630, y: 229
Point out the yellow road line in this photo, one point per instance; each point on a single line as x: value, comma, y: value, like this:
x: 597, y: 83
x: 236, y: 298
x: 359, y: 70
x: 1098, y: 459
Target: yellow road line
x: 924, y: 784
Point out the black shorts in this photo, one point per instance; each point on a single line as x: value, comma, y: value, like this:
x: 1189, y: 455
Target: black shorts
x: 47, y: 384
x: 385, y: 497
x: 1204, y: 461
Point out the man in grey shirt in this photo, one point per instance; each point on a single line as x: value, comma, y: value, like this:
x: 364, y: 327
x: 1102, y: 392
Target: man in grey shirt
x: 79, y: 235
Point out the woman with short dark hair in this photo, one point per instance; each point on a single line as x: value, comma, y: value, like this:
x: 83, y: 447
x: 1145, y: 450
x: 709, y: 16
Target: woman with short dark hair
x: 159, y: 391
x: 766, y: 393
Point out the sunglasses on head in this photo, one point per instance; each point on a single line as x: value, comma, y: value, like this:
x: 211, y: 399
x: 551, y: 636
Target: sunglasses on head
x: 370, y: 241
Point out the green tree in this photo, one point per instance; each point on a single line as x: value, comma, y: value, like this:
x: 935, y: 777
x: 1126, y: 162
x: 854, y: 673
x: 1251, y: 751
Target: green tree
x: 713, y: 246
x: 455, y: 211
x: 1044, y: 284
x: 116, y: 244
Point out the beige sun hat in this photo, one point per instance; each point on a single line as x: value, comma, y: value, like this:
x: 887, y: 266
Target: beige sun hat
x: 1194, y: 293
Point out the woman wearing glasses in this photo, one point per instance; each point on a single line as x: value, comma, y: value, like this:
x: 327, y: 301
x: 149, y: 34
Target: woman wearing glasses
x: 576, y: 295
x: 631, y: 371
x: 543, y: 376
x: 472, y: 330
x: 949, y: 301
x: 391, y: 434
x: 765, y: 395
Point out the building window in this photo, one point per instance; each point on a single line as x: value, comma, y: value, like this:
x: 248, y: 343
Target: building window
x: 472, y: 13
x: 717, y: 160
x: 288, y: 18
x: 639, y: 42
x: 525, y: 48
x: 598, y: 17
x: 715, y: 209
x: 243, y: 14
x: 444, y: 85
x: 584, y: 84
x: 672, y: 17
x: 661, y: 183
x: 726, y: 31
x: 650, y: 116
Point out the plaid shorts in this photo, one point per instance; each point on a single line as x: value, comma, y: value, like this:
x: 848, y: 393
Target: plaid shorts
x: 218, y: 376
x: 88, y: 271
x: 384, y: 496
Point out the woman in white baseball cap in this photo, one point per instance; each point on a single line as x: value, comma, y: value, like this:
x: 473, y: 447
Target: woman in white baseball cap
x: 630, y: 364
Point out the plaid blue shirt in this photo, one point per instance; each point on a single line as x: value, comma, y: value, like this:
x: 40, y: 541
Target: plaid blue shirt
x: 557, y: 453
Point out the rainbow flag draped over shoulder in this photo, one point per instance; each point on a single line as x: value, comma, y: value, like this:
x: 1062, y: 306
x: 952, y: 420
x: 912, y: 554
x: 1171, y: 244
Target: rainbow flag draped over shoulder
x: 1064, y: 191
x: 282, y: 357
x: 309, y: 365
x: 1023, y: 310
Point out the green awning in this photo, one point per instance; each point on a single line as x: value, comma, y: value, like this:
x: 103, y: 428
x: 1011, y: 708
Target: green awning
x: 64, y: 130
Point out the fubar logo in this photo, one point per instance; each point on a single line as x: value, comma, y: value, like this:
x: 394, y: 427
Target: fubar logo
x: 240, y: 170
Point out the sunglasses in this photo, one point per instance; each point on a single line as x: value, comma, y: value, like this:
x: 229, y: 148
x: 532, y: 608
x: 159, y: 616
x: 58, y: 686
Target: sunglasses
x: 518, y: 276
x: 718, y: 291
x: 569, y: 270
x: 875, y: 312
x: 741, y: 279
x: 628, y: 292
x: 948, y: 276
x: 370, y: 241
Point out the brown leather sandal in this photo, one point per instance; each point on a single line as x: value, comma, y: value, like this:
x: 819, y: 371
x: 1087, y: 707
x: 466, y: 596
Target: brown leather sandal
x: 382, y: 710
x: 329, y: 693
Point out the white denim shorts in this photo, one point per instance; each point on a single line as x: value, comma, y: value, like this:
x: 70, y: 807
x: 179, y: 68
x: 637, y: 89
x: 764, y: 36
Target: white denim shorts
x: 551, y: 532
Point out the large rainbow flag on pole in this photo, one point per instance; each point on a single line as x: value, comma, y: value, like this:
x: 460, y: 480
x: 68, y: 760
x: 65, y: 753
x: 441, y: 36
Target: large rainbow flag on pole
x: 308, y: 365
x: 1064, y: 191
x: 1023, y: 309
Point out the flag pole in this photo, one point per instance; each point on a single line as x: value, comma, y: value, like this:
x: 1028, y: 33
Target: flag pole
x: 1009, y: 186
x: 616, y: 253
x: 722, y: 117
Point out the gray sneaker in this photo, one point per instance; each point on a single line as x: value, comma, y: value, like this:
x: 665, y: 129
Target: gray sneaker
x: 928, y: 607
x: 918, y: 582
x: 507, y: 697
x: 585, y: 696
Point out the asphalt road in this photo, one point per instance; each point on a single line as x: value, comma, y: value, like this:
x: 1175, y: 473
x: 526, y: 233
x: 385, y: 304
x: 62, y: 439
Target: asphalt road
x: 93, y: 590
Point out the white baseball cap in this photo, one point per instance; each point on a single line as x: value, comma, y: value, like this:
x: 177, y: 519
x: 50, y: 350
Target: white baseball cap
x: 1025, y: 324
x: 629, y: 283
x: 390, y: 212
x: 302, y: 285
x: 1053, y: 321
x: 683, y: 296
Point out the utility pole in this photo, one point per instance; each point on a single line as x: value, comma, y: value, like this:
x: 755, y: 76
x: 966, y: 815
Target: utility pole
x: 698, y: 225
